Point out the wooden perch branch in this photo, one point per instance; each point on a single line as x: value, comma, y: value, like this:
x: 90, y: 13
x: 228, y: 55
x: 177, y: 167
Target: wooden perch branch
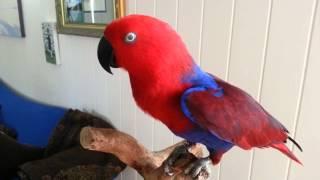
x: 127, y: 149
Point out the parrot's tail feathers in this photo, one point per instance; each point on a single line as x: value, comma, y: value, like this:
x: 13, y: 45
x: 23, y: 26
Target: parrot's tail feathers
x: 295, y: 143
x: 285, y: 150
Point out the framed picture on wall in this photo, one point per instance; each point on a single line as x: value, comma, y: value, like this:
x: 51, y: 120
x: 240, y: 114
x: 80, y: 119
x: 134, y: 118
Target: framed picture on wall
x: 11, y: 20
x: 87, y: 17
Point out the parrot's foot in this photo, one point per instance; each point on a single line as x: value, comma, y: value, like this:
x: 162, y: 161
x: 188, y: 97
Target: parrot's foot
x: 177, y: 153
x: 198, y: 167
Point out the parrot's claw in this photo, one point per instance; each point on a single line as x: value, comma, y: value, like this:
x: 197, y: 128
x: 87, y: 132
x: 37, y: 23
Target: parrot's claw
x: 198, y: 167
x: 177, y: 153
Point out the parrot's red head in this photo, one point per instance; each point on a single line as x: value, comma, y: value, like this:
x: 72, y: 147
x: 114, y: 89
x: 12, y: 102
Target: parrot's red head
x: 143, y: 45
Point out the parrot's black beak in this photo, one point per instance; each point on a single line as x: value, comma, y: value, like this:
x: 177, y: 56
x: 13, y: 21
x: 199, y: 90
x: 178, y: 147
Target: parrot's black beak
x: 106, y: 56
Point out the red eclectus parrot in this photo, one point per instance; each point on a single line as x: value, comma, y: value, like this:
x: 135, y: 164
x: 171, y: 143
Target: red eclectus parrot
x: 197, y: 106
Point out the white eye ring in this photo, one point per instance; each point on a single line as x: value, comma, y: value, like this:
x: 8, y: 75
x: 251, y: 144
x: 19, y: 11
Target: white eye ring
x: 130, y: 37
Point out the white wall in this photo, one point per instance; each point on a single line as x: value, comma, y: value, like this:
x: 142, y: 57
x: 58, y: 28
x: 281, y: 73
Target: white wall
x: 269, y: 48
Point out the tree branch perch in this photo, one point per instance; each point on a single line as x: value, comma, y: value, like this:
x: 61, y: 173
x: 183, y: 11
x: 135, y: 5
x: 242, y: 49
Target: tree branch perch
x: 128, y: 150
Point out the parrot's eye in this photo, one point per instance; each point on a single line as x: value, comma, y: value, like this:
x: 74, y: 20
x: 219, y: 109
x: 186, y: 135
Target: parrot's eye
x: 130, y: 37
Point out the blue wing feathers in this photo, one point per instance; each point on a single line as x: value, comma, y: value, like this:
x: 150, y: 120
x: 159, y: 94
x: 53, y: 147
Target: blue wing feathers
x: 200, y: 78
x: 201, y: 81
x: 184, y: 107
